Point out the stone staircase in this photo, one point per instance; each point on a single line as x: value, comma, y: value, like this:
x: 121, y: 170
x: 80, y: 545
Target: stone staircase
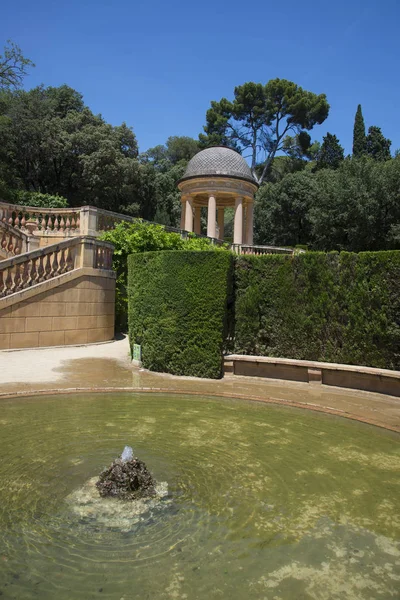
x: 57, y: 286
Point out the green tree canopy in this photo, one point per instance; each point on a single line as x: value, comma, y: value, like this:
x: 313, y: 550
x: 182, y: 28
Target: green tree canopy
x: 13, y: 66
x: 331, y: 153
x: 54, y: 144
x: 377, y: 146
x: 355, y: 207
x: 265, y: 119
x: 359, y: 141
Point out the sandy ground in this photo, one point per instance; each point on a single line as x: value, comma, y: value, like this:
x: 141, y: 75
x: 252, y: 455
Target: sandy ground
x: 108, y: 366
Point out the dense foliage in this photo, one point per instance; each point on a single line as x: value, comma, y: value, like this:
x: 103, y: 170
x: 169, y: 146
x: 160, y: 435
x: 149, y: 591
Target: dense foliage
x: 36, y: 199
x: 136, y: 237
x: 331, y: 307
x: 177, y: 310
x: 354, y: 207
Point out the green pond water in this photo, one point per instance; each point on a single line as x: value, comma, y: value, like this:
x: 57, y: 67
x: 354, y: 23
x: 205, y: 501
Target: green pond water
x: 263, y: 502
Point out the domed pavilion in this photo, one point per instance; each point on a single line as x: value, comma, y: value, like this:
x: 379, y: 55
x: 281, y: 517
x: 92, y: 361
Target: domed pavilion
x: 218, y: 178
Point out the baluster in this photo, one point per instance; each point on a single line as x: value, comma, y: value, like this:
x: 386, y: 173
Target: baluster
x: 47, y: 269
x: 73, y: 223
x: 63, y: 263
x: 25, y: 275
x: 70, y: 260
x: 2, y: 287
x: 17, y: 221
x: 62, y: 223
x: 33, y: 274
x: 3, y: 243
x: 54, y: 266
x: 42, y: 221
x: 78, y: 222
x: 9, y: 281
x: 17, y: 278
x: 40, y: 270
x: 10, y: 246
x: 37, y: 221
x: 18, y: 246
x: 68, y: 223
x: 23, y: 221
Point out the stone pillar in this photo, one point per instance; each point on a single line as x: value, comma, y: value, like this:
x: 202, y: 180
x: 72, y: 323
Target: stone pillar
x: 249, y: 222
x: 183, y: 212
x: 238, y: 223
x: 211, y: 217
x: 189, y: 215
x: 221, y: 223
x: 88, y: 221
x: 197, y: 220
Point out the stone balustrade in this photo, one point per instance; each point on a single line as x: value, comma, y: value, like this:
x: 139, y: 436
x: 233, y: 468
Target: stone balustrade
x: 39, y: 223
x: 64, y: 221
x: 12, y: 241
x: 259, y: 250
x: 34, y: 267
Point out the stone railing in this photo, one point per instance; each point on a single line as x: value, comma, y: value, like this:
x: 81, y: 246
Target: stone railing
x: 258, y: 250
x: 12, y: 241
x: 34, y: 267
x: 68, y: 222
x: 64, y: 221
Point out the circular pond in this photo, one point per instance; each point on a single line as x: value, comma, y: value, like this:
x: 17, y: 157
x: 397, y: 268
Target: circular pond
x: 263, y: 502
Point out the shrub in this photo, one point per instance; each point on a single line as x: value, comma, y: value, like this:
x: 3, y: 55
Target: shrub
x: 140, y: 236
x: 38, y: 199
x: 329, y: 307
x: 177, y: 310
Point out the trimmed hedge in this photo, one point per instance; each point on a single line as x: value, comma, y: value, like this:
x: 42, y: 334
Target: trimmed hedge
x: 329, y: 307
x: 177, y: 307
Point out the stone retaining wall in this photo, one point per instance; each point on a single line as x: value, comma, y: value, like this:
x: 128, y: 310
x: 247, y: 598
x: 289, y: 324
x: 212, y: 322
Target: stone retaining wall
x: 75, y: 308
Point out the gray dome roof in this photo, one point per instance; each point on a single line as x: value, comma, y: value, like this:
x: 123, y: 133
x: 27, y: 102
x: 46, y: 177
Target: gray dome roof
x: 220, y: 161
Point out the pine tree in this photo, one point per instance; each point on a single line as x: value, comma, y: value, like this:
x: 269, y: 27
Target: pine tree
x: 359, y: 139
x: 331, y: 153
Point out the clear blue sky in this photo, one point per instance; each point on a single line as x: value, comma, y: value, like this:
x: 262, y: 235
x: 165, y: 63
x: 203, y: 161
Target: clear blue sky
x: 157, y: 65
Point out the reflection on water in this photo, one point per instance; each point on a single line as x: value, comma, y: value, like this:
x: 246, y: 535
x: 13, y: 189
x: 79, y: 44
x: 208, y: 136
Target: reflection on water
x: 263, y: 502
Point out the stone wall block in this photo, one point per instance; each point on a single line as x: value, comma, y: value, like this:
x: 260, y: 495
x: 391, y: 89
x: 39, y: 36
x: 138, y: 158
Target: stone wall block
x: 38, y: 323
x: 12, y: 325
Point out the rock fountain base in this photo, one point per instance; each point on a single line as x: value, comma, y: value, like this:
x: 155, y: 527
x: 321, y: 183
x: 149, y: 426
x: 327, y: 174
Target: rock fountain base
x: 127, y: 478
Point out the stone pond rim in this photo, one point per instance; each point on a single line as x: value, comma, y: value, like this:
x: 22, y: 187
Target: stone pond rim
x: 218, y: 161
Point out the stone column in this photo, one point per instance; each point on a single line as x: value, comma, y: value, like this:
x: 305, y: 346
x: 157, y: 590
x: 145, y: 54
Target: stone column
x: 211, y: 217
x: 249, y: 222
x: 189, y: 215
x: 183, y: 212
x: 197, y: 220
x: 221, y: 222
x: 238, y: 223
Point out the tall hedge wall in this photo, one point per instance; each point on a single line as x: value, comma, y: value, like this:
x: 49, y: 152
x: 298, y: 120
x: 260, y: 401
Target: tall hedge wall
x: 330, y: 307
x: 177, y: 307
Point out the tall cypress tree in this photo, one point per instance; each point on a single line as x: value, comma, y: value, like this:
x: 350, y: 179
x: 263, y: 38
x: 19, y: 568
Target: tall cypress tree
x: 359, y: 138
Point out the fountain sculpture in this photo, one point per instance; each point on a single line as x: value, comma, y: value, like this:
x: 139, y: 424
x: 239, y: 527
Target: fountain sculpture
x: 127, y: 478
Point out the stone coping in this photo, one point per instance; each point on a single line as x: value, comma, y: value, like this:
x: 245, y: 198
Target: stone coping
x: 169, y: 391
x: 370, y: 379
x: 49, y: 284
x: 311, y: 364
